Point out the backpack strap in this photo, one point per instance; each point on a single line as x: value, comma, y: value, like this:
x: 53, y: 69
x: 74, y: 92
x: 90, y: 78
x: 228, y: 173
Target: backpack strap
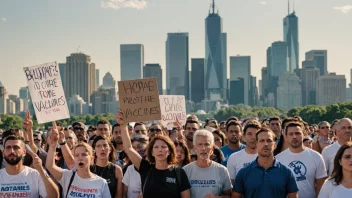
x: 69, y: 184
x: 146, y: 179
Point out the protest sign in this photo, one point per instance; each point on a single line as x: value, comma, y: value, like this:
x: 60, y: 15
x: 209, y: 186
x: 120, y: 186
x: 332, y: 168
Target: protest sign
x: 173, y: 107
x: 47, y: 93
x: 139, y: 100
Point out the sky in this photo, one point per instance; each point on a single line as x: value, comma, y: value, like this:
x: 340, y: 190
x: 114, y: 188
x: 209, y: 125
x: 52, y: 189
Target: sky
x: 39, y: 31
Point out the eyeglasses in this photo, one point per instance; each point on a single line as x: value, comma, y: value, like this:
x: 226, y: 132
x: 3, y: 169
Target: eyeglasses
x: 178, y: 143
x: 139, y: 131
x: 155, y: 130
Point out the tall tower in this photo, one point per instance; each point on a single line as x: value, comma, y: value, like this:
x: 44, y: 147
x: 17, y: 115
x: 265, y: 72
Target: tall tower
x: 291, y: 38
x: 215, y: 68
x: 131, y: 61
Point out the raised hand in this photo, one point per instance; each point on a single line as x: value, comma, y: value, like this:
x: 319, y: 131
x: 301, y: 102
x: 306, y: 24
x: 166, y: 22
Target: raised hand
x: 37, y: 162
x: 177, y: 124
x: 120, y: 119
x: 54, y: 135
x: 27, y: 122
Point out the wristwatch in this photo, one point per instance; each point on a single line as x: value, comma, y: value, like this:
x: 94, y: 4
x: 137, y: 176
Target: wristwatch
x: 62, y: 143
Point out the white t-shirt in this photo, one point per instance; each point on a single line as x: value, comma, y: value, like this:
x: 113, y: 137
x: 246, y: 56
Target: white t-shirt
x: 329, y: 153
x: 27, y: 183
x: 306, y: 166
x: 212, y: 180
x: 330, y: 190
x: 239, y: 160
x: 132, y: 179
x: 92, y: 187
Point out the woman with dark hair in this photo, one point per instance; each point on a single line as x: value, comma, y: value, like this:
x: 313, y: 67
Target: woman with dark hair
x: 159, y: 175
x: 217, y: 156
x: 104, y: 158
x: 182, y: 154
x: 340, y: 184
x: 219, y: 138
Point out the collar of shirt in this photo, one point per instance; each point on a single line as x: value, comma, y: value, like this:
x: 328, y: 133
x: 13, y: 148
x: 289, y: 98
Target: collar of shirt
x: 255, y: 164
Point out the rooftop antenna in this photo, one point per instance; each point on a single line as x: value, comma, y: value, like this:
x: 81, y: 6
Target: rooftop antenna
x: 213, y: 7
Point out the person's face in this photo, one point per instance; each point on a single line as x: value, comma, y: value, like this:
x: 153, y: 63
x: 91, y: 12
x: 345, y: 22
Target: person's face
x: 203, y: 147
x: 102, y: 149
x: 294, y: 137
x: 249, y: 137
x: 70, y: 139
x: 103, y: 129
x: 308, y: 143
x: 346, y: 160
x: 14, y: 152
x: 91, y: 133
x: 234, y: 134
x: 78, y: 131
x: 223, y: 127
x: 191, y: 128
x: 153, y: 130
x: 217, y: 140
x: 274, y: 125
x: 180, y: 154
x: 140, y: 130
x: 82, y: 158
x: 116, y: 134
x: 139, y: 147
x: 173, y: 135
x: 213, y: 125
x: 324, y: 129
x: 160, y: 150
x: 37, y: 141
x: 266, y: 144
x: 344, y: 132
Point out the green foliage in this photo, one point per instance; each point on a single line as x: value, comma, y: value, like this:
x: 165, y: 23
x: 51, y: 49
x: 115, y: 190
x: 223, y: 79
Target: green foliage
x: 10, y: 121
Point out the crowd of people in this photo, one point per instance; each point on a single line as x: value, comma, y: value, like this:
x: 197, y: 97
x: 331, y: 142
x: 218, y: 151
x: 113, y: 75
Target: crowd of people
x: 271, y: 158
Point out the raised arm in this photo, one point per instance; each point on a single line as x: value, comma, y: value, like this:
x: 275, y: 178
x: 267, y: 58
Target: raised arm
x: 66, y: 152
x: 127, y: 145
x: 50, y: 159
x: 28, y: 129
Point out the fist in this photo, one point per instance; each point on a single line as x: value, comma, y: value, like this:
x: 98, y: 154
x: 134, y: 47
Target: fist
x: 120, y: 118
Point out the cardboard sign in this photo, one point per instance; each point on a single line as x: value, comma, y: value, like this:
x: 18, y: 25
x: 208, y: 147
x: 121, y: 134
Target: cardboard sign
x: 139, y: 99
x: 47, y: 93
x: 173, y: 107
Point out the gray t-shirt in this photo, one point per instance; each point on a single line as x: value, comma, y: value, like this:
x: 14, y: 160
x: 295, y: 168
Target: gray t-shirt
x: 212, y: 180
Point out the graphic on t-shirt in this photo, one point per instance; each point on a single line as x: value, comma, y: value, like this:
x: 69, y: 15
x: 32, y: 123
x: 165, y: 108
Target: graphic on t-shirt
x: 80, y: 192
x: 203, y: 183
x: 299, y: 169
x: 15, y: 190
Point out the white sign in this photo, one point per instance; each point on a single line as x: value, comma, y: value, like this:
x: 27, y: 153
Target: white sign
x: 47, y: 93
x: 173, y: 107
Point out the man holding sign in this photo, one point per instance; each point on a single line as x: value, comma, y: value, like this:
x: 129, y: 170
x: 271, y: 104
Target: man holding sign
x: 17, y: 180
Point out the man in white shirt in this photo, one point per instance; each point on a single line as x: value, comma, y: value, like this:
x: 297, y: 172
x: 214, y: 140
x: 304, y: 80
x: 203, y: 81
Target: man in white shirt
x: 17, y: 180
x: 243, y: 158
x: 344, y: 134
x: 306, y: 164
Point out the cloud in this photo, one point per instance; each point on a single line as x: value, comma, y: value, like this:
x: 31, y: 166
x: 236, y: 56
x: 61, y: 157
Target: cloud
x: 118, y: 4
x: 3, y: 19
x: 344, y: 9
x: 263, y: 2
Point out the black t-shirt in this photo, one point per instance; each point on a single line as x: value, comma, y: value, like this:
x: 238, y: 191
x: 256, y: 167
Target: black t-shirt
x: 162, y: 183
x: 109, y: 174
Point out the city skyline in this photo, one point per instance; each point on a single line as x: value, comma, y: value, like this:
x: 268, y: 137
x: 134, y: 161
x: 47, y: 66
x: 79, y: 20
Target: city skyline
x: 27, y: 40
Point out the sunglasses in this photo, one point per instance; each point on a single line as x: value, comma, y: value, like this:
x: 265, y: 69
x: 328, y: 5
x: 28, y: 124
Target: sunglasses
x: 155, y: 130
x: 178, y: 143
x: 139, y: 131
x: 78, y: 129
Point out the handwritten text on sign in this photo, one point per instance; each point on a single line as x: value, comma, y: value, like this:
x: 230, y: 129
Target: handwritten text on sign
x: 172, y: 107
x: 139, y: 99
x: 47, y: 94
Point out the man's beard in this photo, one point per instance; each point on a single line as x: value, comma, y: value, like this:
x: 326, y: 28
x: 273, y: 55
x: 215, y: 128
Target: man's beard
x: 118, y: 141
x: 12, y: 162
x: 189, y: 137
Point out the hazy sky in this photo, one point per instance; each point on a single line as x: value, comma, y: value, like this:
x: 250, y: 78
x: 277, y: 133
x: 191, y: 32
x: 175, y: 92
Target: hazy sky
x: 39, y: 31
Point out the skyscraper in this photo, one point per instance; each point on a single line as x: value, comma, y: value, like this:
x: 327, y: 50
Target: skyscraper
x: 265, y: 81
x: 236, y: 88
x: 3, y: 99
x: 97, y: 78
x: 131, y: 61
x: 104, y: 101
x: 154, y: 71
x: 109, y: 81
x: 80, y: 76
x: 216, y: 71
x: 289, y: 93
x: 240, y: 67
x: 197, y: 79
x: 331, y: 89
x: 62, y: 73
x: 291, y: 38
x: 320, y: 59
x: 177, y: 67
x: 309, y: 78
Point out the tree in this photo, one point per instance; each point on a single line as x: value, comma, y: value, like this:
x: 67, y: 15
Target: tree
x: 10, y: 121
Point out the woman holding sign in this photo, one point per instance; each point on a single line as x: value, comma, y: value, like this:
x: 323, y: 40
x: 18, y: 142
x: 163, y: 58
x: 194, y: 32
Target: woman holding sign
x: 80, y: 183
x: 160, y: 177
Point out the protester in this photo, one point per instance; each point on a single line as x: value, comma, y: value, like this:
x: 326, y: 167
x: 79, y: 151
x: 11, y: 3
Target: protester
x: 281, y: 142
x: 265, y: 177
x: 80, y: 131
x: 275, y: 125
x: 344, y: 134
x: 104, y: 159
x: 17, y: 180
x: 79, y: 183
x: 219, y: 138
x: 182, y: 154
x: 159, y: 176
x: 306, y: 164
x: 207, y: 177
x: 140, y: 129
x: 154, y: 129
x: 92, y: 131
x: 340, y: 184
x: 243, y: 158
x: 233, y: 135
x: 323, y: 140
x: 308, y: 142
x: 191, y: 127
x: 117, y: 142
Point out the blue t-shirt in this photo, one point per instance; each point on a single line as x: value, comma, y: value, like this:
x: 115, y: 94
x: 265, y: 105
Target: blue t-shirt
x: 274, y: 182
x: 227, y: 152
